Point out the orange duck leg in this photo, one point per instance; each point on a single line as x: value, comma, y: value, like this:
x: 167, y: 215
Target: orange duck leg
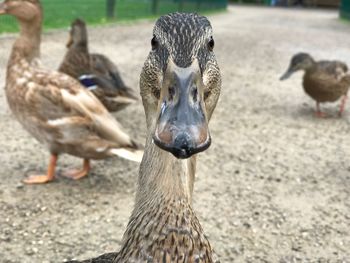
x: 77, y: 174
x: 42, y: 179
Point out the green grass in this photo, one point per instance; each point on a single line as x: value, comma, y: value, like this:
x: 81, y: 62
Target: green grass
x: 59, y: 14
x: 345, y: 16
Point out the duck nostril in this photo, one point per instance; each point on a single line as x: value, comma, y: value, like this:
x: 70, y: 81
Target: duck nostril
x: 194, y: 93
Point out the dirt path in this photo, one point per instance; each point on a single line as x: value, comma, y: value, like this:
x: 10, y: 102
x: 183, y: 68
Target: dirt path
x: 274, y: 186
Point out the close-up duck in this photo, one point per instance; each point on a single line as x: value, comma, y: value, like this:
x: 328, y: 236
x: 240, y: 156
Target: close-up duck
x: 180, y: 86
x: 95, y: 71
x: 323, y: 81
x: 55, y: 108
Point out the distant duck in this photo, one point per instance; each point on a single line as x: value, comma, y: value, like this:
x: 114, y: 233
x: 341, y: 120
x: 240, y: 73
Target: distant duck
x: 95, y: 71
x: 324, y: 81
x: 55, y: 108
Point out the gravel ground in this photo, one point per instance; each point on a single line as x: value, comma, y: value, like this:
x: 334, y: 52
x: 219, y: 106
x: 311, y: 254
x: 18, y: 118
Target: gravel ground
x: 273, y: 187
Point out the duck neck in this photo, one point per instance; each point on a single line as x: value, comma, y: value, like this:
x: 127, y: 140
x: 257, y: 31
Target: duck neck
x: 310, y: 66
x: 163, y: 226
x: 163, y: 212
x: 80, y: 45
x: 164, y: 177
x: 27, y: 45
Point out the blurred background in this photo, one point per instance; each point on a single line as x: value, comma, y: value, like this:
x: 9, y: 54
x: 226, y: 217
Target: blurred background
x: 59, y: 14
x: 273, y: 187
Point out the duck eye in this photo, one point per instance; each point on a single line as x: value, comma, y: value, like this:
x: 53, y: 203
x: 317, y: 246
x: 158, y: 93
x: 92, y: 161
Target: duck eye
x: 154, y: 43
x: 211, y: 44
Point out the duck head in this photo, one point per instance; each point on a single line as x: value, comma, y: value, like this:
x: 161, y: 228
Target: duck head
x: 300, y: 61
x: 23, y: 10
x: 78, y: 34
x: 180, y: 84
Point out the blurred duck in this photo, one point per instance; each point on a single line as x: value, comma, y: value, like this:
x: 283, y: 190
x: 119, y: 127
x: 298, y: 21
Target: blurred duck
x: 180, y: 86
x: 96, y: 72
x: 324, y: 81
x: 55, y: 108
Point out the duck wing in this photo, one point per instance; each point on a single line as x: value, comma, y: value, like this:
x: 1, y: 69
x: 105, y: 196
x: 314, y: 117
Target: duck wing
x: 69, y: 112
x: 108, y: 77
x: 327, y: 83
x: 335, y: 68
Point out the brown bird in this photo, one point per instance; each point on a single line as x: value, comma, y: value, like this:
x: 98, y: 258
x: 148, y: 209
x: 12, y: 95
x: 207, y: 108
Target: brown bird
x: 324, y: 81
x: 53, y: 107
x: 180, y: 86
x: 95, y: 71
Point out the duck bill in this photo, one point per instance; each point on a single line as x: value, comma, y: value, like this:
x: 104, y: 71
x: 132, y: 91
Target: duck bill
x: 286, y: 75
x: 182, y: 126
x: 3, y: 8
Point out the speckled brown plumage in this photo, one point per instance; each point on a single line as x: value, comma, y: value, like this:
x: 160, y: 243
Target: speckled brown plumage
x: 51, y: 106
x: 163, y: 226
x: 173, y: 234
x: 110, y: 88
x: 324, y: 81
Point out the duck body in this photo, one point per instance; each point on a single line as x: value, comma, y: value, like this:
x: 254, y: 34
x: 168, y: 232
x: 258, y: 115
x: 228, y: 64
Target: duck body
x: 39, y: 99
x: 323, y: 81
x: 53, y: 107
x: 180, y: 85
x: 78, y: 63
x: 327, y: 81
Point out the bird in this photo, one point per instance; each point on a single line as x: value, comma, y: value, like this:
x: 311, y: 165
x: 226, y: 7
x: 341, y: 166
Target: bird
x: 55, y: 108
x: 95, y: 71
x: 323, y: 81
x: 180, y: 85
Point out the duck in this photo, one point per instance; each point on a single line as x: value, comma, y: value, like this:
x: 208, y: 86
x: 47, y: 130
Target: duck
x: 54, y: 107
x: 95, y: 71
x: 180, y: 85
x: 323, y: 81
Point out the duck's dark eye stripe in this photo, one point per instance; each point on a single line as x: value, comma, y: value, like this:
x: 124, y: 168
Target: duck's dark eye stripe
x: 211, y: 44
x: 154, y: 42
